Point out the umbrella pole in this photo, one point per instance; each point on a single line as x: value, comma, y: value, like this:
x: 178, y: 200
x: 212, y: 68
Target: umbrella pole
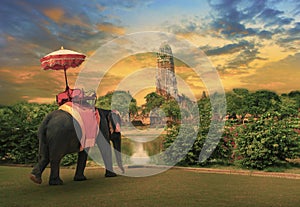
x: 67, y: 87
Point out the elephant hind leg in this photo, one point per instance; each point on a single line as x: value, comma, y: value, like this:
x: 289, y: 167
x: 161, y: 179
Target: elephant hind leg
x: 36, y: 173
x: 55, y: 159
x: 35, y: 179
x: 54, y: 174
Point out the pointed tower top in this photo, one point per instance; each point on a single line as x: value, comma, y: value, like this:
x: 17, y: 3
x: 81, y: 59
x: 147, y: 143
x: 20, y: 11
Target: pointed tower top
x: 165, y: 49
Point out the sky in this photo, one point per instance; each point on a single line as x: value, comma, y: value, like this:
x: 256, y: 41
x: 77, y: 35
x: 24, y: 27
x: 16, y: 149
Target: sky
x: 251, y: 44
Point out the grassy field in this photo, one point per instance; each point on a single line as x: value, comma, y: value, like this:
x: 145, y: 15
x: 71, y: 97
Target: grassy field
x: 174, y: 187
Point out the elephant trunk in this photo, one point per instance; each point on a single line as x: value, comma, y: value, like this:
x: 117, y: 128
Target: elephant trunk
x: 116, y: 140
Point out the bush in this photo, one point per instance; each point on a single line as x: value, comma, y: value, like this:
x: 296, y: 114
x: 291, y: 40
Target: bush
x: 259, y: 144
x: 226, y: 144
x: 69, y: 159
x: 18, y: 128
x: 216, y: 147
x: 267, y: 141
x: 177, y: 144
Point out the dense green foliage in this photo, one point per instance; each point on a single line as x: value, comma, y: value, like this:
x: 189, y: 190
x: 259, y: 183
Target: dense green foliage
x: 153, y: 100
x: 118, y: 100
x: 267, y: 141
x: 262, y: 128
x: 18, y: 128
x: 19, y: 124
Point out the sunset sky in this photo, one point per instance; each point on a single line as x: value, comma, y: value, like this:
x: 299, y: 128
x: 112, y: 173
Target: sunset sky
x: 252, y: 44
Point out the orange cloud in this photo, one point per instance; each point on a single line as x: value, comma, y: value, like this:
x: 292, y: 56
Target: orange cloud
x: 10, y: 38
x: 58, y: 16
x: 109, y: 28
x: 39, y: 100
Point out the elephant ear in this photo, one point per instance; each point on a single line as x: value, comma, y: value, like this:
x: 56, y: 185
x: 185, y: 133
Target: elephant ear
x: 118, y: 127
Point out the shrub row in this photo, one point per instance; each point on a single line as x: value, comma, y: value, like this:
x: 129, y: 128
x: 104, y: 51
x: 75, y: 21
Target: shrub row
x: 266, y: 141
x: 18, y: 128
x: 260, y: 143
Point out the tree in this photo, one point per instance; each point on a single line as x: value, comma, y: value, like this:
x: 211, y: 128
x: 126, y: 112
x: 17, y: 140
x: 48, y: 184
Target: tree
x: 171, y: 109
x: 295, y: 95
x: 238, y: 102
x: 263, y: 101
x: 153, y: 100
x: 119, y: 100
x: 288, y: 107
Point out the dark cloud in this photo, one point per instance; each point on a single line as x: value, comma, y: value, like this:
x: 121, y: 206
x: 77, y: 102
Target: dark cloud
x: 265, y: 34
x: 267, y: 13
x: 124, y: 3
x: 291, y: 36
x: 232, y: 18
x: 19, y: 22
x: 288, y: 40
x: 271, y: 17
x: 253, y: 9
x: 246, y: 52
x: 231, y: 29
x: 226, y: 9
x: 235, y: 20
x: 295, y: 30
x: 31, y: 29
x: 245, y: 57
x: 227, y: 49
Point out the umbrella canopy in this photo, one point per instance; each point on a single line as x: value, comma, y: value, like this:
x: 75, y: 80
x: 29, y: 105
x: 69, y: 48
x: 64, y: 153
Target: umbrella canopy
x: 62, y: 60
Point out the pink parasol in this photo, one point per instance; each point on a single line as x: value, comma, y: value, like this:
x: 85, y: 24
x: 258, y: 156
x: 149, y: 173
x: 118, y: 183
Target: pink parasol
x: 62, y: 60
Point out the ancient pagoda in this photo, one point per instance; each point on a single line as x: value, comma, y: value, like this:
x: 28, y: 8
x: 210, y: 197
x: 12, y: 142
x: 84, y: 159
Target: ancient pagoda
x: 166, y: 84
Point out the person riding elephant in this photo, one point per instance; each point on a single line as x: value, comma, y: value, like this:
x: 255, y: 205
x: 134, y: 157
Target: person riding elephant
x: 58, y: 135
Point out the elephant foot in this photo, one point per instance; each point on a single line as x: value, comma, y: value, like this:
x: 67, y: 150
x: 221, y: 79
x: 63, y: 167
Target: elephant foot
x: 56, y: 182
x: 79, y: 178
x: 110, y: 174
x: 35, y: 179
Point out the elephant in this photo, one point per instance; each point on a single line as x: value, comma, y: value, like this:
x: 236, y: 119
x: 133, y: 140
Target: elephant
x: 57, y: 137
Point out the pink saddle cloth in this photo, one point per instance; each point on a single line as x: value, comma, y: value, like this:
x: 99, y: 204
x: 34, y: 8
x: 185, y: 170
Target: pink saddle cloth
x: 88, y: 119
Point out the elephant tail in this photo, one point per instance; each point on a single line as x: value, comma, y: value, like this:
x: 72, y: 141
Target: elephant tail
x: 42, y: 130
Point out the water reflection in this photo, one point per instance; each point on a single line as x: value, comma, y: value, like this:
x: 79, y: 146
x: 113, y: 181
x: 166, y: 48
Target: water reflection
x: 142, y: 144
x: 140, y: 155
x: 136, y: 149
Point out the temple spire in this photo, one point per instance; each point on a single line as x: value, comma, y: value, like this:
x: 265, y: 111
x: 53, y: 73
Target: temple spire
x: 166, y: 84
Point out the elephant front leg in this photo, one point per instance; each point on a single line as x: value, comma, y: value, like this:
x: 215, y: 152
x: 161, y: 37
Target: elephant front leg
x: 106, y: 153
x: 54, y: 173
x: 81, y: 163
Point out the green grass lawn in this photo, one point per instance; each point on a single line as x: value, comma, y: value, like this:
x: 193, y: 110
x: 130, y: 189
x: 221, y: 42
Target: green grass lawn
x: 174, y: 187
